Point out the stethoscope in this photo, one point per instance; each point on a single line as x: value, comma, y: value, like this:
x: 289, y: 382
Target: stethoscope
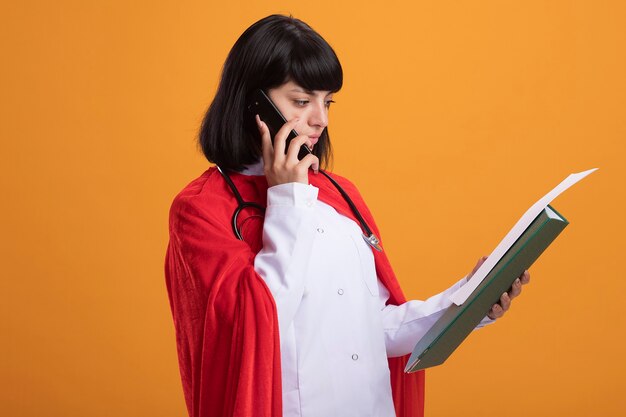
x: 369, y: 237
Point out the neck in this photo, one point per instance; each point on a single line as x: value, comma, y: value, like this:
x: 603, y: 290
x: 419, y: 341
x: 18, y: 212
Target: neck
x: 254, y: 169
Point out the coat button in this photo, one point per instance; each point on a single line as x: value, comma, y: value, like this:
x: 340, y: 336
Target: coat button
x: 355, y: 357
x: 320, y: 230
x: 340, y: 291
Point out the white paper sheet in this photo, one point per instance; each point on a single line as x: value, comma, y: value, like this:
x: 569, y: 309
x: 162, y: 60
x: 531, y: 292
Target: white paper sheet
x: 462, y: 293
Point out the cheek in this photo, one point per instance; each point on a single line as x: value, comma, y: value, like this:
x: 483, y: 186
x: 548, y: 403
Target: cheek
x: 301, y: 127
x: 291, y: 112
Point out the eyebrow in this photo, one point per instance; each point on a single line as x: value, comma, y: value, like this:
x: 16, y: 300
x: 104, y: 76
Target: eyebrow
x: 310, y: 92
x: 300, y: 90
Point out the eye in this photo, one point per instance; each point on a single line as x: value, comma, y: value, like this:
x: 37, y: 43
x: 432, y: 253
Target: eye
x: 328, y: 103
x: 301, y: 103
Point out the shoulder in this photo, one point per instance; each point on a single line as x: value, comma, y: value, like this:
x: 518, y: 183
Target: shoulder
x: 196, y: 191
x: 349, y: 187
x: 203, y: 197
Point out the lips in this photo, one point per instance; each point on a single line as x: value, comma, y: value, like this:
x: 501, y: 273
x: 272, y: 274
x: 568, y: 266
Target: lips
x: 314, y: 139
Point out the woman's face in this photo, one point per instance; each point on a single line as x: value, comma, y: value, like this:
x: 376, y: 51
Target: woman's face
x: 310, y: 106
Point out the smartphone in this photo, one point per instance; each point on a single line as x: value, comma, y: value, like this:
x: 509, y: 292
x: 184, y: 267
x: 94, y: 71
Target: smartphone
x: 273, y: 118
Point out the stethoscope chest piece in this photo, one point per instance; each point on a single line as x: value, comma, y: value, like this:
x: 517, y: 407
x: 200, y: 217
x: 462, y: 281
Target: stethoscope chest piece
x: 373, y: 241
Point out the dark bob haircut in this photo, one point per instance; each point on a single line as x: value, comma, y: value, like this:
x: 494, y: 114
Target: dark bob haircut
x: 272, y: 51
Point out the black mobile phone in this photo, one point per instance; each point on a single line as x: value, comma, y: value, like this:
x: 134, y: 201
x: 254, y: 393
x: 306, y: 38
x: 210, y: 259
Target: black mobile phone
x: 268, y: 112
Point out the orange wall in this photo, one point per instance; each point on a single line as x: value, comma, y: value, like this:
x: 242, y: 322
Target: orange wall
x: 454, y: 118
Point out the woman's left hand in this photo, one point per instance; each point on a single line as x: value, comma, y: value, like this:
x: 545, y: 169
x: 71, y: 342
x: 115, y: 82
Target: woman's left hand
x: 504, y: 304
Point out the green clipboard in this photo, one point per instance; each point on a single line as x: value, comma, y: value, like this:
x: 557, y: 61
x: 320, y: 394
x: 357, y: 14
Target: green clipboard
x: 458, y: 321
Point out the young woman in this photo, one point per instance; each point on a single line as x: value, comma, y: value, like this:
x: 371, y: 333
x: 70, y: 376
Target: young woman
x: 283, y: 300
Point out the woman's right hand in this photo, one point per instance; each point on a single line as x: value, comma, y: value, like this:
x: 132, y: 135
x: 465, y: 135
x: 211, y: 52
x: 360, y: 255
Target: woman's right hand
x: 281, y: 167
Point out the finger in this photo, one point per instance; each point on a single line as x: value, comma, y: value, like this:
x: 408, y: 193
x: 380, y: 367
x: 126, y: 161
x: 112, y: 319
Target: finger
x: 505, y: 301
x: 280, y: 139
x: 495, y: 312
x: 525, y: 277
x: 516, y: 288
x: 266, y: 141
x: 294, y: 147
x: 310, y: 161
x: 478, y: 265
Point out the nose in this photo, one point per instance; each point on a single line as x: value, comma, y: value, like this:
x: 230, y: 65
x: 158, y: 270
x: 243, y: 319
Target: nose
x: 319, y: 115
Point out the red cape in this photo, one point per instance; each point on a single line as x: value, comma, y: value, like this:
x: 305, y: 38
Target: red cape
x: 224, y: 314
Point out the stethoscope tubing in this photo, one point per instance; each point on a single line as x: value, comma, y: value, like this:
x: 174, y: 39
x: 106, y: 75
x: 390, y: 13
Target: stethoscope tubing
x: 241, y: 204
x: 369, y: 237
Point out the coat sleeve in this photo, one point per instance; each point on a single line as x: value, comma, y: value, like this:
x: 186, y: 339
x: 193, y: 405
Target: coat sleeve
x: 224, y: 315
x: 407, y: 323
